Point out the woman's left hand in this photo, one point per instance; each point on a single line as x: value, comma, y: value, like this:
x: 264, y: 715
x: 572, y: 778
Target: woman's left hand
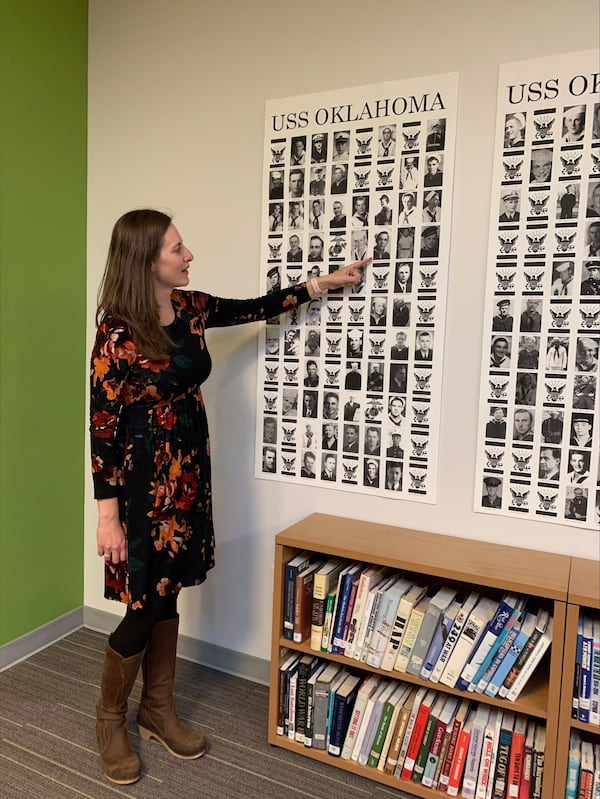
x: 350, y: 275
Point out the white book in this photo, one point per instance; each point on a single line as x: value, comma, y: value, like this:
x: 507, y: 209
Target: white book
x: 437, y: 605
x: 595, y: 697
x: 364, y: 725
x: 485, y: 783
x: 374, y: 719
x: 596, y: 783
x: 532, y: 662
x: 473, y: 759
x: 367, y: 688
x: 405, y: 606
x: 410, y: 635
x: 365, y: 614
x: 457, y: 626
x: 473, y: 628
x: 377, y: 594
x: 340, y: 582
x: 367, y: 578
x: 386, y: 615
x: 310, y: 702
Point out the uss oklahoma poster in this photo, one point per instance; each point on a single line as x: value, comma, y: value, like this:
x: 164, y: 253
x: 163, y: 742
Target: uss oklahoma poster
x: 349, y: 386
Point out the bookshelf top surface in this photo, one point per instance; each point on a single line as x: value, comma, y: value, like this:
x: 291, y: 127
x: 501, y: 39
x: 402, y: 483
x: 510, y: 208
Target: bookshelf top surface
x: 584, y: 582
x: 542, y: 574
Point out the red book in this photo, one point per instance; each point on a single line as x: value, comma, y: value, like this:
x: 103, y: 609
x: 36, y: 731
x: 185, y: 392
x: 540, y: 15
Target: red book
x: 516, y: 757
x: 417, y: 735
x: 455, y: 730
x: 460, y: 758
x: 525, y: 786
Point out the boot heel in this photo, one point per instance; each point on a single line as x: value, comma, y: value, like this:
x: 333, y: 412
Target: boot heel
x: 145, y: 734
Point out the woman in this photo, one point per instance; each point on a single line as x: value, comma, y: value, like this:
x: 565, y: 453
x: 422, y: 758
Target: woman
x: 151, y: 465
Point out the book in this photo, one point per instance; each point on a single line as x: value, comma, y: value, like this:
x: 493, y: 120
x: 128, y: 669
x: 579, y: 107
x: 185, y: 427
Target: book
x: 540, y: 627
x: 457, y: 723
x: 471, y: 632
x: 595, y: 694
x: 537, y: 767
x: 523, y: 634
x: 497, y: 656
x: 442, y: 630
x: 367, y: 577
x: 366, y: 689
x: 532, y: 662
x: 473, y: 755
x: 336, y: 683
x: 573, y: 766
x: 489, y: 751
x: 303, y: 602
x: 365, y: 596
x: 306, y: 665
x: 310, y: 689
x: 398, y: 694
x: 366, y: 718
x: 290, y: 658
x: 321, y: 704
x: 391, y: 732
x: 516, y: 756
x: 427, y: 741
x: 504, y: 740
x: 386, y: 615
x: 585, y: 676
x: 416, y: 704
x: 373, y: 722
x: 460, y: 756
x: 292, y: 568
x: 343, y: 702
x: 577, y: 672
x: 437, y: 741
x: 409, y: 638
x: 459, y: 622
x: 377, y: 591
x: 596, y: 783
x: 435, y: 608
x: 417, y: 734
x: 292, y: 690
x: 336, y: 644
x: 498, y: 627
x: 405, y: 606
x: 404, y: 714
x: 349, y: 628
x: 328, y: 620
x: 525, y: 786
x: 586, y: 772
x: 324, y: 577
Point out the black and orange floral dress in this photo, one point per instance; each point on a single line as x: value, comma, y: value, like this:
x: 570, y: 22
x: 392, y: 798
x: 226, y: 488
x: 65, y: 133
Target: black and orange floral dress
x: 150, y: 445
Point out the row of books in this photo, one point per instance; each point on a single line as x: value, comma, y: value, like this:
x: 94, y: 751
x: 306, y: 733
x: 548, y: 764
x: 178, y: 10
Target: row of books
x: 583, y: 775
x: 586, y: 684
x: 417, y: 734
x: 378, y: 616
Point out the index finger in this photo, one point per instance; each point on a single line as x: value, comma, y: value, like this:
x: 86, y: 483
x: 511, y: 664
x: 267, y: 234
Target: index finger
x: 360, y: 264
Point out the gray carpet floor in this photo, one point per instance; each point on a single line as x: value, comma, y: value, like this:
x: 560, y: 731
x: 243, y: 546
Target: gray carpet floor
x: 47, y: 737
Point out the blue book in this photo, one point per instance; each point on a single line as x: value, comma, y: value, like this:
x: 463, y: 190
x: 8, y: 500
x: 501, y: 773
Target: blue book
x: 573, y: 767
x: 577, y: 673
x: 497, y: 623
x: 509, y: 659
x: 497, y: 644
x: 442, y: 630
x: 298, y: 564
x: 503, y: 650
x: 585, y: 679
x: 338, y: 643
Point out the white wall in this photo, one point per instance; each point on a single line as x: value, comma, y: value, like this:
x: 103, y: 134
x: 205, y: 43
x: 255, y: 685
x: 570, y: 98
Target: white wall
x: 176, y: 105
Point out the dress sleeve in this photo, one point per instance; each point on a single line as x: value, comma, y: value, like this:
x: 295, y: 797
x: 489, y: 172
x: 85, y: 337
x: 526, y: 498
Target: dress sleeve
x: 222, y: 312
x: 113, y: 354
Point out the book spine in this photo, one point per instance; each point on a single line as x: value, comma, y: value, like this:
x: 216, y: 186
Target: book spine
x: 339, y: 723
x: 458, y: 763
x: 396, y: 744
x: 426, y: 743
x: 495, y: 662
x: 520, y: 661
x: 585, y: 679
x: 495, y: 683
x: 382, y: 629
x: 577, y: 672
x: 485, y: 767
x: 363, y: 625
x: 525, y: 786
x: 537, y: 775
x: 370, y: 624
x: 293, y: 690
x: 380, y: 735
x: 500, y: 778
x: 396, y: 635
x: 531, y: 664
x: 454, y: 634
x: 416, y: 738
x: 595, y: 697
x: 337, y: 642
x: 450, y: 752
x: 464, y: 646
x: 409, y: 640
x: 328, y: 621
x: 433, y: 756
x: 515, y: 765
x: 442, y: 628
x: 486, y: 642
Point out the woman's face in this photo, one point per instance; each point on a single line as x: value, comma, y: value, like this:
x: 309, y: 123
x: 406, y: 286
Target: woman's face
x: 171, y: 268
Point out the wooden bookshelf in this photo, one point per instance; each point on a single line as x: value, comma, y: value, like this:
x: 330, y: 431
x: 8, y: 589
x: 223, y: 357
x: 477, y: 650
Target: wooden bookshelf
x: 584, y: 594
x: 446, y: 559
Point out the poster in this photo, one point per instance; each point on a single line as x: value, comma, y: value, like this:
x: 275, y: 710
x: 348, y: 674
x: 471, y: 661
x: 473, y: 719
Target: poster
x: 539, y: 436
x: 349, y: 386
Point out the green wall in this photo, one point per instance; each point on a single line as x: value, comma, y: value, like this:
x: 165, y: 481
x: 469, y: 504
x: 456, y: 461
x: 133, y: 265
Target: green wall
x: 43, y: 124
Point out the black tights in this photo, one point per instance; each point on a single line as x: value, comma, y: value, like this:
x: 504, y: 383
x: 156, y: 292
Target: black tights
x: 133, y: 633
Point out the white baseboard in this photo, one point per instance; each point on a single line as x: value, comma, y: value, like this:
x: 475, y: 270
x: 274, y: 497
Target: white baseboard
x: 211, y: 655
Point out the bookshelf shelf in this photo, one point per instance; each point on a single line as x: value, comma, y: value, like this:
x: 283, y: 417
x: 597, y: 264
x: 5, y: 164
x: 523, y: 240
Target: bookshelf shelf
x: 438, y: 560
x: 583, y: 595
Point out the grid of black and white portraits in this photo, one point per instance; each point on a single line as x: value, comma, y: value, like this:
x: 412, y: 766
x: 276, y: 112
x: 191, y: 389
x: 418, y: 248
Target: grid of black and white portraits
x: 539, y: 436
x: 348, y: 381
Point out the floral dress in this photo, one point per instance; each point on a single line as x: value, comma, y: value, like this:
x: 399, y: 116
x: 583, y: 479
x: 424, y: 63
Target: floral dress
x: 150, y: 445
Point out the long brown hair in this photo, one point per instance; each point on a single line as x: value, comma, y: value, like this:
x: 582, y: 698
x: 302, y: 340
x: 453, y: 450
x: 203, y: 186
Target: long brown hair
x: 126, y: 291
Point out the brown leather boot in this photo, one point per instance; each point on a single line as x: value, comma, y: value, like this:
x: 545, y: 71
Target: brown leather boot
x: 119, y: 762
x: 156, y: 717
